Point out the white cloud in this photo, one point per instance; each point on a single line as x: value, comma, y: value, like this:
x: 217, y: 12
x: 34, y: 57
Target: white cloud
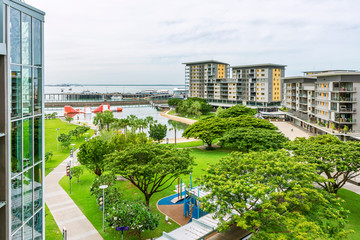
x: 146, y: 41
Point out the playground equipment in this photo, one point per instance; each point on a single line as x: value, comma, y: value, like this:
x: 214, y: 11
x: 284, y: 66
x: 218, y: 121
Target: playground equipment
x: 70, y: 111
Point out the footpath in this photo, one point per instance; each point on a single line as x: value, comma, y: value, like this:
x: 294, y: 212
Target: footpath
x: 64, y: 210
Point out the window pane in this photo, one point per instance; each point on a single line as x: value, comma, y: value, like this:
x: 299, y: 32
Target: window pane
x: 27, y: 143
x: 37, y: 42
x: 16, y: 207
x: 37, y: 90
x: 14, y: 36
x: 26, y: 39
x: 15, y: 91
x: 37, y: 139
x: 17, y: 235
x: 27, y: 91
x: 38, y: 226
x: 16, y: 148
x: 28, y: 230
x: 28, y: 194
x: 37, y: 186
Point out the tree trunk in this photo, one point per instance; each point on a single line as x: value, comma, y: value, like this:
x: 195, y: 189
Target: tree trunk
x: 97, y: 171
x: 147, y: 200
x: 139, y: 233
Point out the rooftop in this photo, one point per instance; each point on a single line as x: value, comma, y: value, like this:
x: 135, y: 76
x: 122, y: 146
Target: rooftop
x: 264, y: 65
x: 204, y: 62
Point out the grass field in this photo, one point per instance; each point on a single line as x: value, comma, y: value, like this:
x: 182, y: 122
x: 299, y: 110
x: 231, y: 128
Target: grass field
x: 87, y: 204
x: 352, y: 201
x: 51, y: 228
x: 51, y: 145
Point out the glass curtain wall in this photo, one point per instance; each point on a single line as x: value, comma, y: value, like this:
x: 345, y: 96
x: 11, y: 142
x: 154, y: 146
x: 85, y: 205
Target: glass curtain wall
x: 25, y: 70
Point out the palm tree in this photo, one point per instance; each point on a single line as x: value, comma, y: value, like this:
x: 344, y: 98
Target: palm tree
x: 174, y: 126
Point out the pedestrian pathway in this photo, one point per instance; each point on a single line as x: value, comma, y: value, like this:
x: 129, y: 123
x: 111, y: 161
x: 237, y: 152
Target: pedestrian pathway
x: 65, y: 212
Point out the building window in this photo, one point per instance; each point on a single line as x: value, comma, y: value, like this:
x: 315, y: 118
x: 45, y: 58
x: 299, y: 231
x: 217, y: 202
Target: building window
x: 27, y: 91
x: 15, y: 91
x: 26, y: 39
x: 16, y: 203
x: 15, y: 38
x: 16, y: 153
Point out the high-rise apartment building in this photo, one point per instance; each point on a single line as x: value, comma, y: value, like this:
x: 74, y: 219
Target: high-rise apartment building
x: 253, y: 85
x: 22, y: 208
x: 325, y: 101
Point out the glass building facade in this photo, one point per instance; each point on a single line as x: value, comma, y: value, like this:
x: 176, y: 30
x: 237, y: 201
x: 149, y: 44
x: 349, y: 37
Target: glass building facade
x: 22, y: 126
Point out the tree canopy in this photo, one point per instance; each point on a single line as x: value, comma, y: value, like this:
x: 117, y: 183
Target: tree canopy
x: 92, y: 154
x: 151, y: 167
x: 237, y: 110
x: 338, y: 161
x: 104, y: 119
x: 272, y: 195
x: 158, y: 131
x: 253, y: 139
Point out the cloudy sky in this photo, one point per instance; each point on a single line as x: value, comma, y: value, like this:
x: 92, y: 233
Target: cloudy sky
x: 145, y: 42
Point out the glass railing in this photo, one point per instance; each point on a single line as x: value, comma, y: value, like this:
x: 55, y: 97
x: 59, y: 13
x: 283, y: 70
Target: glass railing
x: 344, y: 89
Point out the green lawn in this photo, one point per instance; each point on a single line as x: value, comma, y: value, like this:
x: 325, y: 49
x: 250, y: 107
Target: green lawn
x: 191, y: 117
x: 352, y: 201
x: 87, y: 204
x: 51, y: 145
x: 51, y: 228
x: 188, y: 144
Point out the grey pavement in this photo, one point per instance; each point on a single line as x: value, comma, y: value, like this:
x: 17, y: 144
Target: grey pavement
x: 65, y: 212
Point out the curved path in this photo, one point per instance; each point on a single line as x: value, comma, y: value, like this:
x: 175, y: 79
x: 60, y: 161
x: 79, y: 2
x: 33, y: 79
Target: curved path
x: 176, y: 118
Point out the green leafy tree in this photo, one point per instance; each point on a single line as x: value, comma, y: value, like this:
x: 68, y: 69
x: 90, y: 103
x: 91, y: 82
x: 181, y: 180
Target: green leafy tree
x: 346, y: 128
x: 152, y: 168
x: 120, y: 141
x: 48, y: 156
x: 253, y: 139
x: 77, y: 171
x: 82, y: 130
x: 158, y: 131
x: 237, y: 110
x: 112, y: 194
x: 195, y: 109
x: 338, y: 161
x: 272, y: 195
x: 75, y: 133
x: 174, y: 101
x: 134, y: 215
x: 68, y: 119
x: 92, y: 154
x: 175, y: 126
x: 218, y: 111
x: 104, y: 119
x: 65, y: 140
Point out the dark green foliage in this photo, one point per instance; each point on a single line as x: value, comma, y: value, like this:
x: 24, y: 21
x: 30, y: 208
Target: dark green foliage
x: 174, y: 101
x: 158, y: 131
x: 253, y: 139
x: 68, y: 119
x: 92, y: 154
x: 112, y: 194
x: 65, y: 140
x: 194, y: 107
x: 272, y: 195
x: 151, y: 167
x: 134, y: 215
x: 77, y: 171
x: 104, y: 119
x: 236, y: 111
x: 48, y: 156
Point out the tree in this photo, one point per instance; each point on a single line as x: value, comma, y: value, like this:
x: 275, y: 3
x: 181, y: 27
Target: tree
x: 195, y: 109
x: 218, y: 111
x: 75, y: 133
x: 175, y: 126
x: 104, y: 119
x: 253, y: 139
x: 158, y: 131
x: 65, y: 140
x: 134, y: 215
x: 68, y: 119
x: 92, y: 154
x: 237, y: 110
x: 272, y: 195
x: 48, y: 156
x: 77, y: 171
x: 212, y: 128
x: 174, y: 101
x: 152, y: 168
x: 338, y: 161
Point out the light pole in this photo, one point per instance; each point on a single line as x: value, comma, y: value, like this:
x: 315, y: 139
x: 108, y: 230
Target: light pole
x: 86, y: 138
x: 103, y: 187
x: 57, y: 138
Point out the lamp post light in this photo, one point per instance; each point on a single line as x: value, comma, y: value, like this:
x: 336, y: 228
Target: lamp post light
x: 57, y: 138
x: 103, y: 187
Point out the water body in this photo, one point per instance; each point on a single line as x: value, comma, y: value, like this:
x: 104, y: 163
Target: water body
x: 139, y: 111
x: 109, y: 88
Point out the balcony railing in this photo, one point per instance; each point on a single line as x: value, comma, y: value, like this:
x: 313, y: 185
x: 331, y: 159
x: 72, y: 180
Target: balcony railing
x: 345, y: 120
x: 344, y: 89
x: 343, y: 99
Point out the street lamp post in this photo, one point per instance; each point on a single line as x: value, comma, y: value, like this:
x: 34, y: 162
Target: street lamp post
x: 57, y: 138
x: 86, y: 138
x: 103, y: 187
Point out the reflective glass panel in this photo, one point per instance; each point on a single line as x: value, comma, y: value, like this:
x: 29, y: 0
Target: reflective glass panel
x: 28, y: 230
x: 15, y: 91
x: 27, y: 143
x: 37, y: 139
x: 17, y: 235
x: 37, y: 42
x: 38, y: 226
x: 27, y: 91
x: 37, y: 90
x: 16, y: 156
x: 15, y: 51
x: 37, y: 186
x: 28, y: 194
x: 26, y: 39
x: 16, y: 203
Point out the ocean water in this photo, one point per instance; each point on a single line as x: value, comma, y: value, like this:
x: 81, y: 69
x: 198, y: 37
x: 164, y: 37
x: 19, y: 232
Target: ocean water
x: 109, y: 88
x: 141, y: 111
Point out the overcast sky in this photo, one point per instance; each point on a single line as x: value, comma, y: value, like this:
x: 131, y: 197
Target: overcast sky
x: 145, y: 42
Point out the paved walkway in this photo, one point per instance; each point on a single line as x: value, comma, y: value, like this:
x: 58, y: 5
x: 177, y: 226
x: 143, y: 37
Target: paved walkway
x: 179, y: 119
x: 291, y: 130
x: 65, y: 212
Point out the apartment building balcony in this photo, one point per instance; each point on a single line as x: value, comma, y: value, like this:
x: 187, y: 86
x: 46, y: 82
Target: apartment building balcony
x: 319, y: 98
x: 343, y: 99
x: 302, y: 95
x: 301, y: 109
x: 345, y: 120
x: 303, y: 103
x: 320, y: 89
x: 344, y: 89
